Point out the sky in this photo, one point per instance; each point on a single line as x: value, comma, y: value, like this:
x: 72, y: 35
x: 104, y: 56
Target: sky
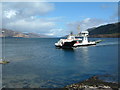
x: 57, y: 18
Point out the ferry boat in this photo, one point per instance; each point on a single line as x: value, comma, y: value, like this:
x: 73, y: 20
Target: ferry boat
x: 72, y: 41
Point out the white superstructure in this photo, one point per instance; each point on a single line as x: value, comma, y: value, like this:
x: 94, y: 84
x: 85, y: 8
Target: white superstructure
x: 85, y: 36
x: 72, y: 41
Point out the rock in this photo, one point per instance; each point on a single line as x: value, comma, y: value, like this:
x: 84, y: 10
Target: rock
x: 93, y: 83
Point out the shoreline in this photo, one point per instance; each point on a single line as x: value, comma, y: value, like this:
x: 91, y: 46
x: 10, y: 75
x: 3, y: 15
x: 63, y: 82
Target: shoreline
x: 93, y: 83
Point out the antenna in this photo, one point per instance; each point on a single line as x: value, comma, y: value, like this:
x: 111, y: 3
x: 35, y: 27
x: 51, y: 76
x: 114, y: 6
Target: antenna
x: 71, y: 33
x: 78, y: 28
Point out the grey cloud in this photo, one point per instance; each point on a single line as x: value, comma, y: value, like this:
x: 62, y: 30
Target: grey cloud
x: 57, y: 32
x: 85, y: 24
x: 35, y: 25
x: 21, y: 16
x: 13, y: 11
x: 29, y: 8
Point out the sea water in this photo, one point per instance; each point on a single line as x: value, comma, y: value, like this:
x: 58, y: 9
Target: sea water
x: 37, y: 63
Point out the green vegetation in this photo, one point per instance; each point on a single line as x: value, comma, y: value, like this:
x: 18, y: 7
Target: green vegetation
x: 109, y: 30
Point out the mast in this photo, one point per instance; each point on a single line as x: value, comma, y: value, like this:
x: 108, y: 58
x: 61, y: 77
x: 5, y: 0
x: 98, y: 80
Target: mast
x: 78, y: 28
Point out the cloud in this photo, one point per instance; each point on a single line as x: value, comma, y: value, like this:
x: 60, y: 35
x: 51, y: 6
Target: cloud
x: 31, y: 25
x: 9, y: 14
x: 0, y: 15
x: 33, y: 17
x: 85, y: 24
x: 57, y: 32
x: 29, y: 17
x: 87, y: 20
x: 26, y: 17
x: 29, y: 8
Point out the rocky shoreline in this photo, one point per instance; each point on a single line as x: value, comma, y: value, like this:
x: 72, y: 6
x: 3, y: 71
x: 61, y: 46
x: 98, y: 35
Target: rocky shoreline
x: 93, y: 83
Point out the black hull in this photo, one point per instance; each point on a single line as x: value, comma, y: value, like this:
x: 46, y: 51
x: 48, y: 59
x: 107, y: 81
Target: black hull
x: 69, y: 46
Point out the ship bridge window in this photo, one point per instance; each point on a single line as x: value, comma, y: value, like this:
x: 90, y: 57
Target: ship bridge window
x: 72, y: 37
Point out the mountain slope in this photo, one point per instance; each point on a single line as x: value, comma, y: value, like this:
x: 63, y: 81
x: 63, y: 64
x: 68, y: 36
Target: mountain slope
x: 109, y: 30
x: 11, y: 33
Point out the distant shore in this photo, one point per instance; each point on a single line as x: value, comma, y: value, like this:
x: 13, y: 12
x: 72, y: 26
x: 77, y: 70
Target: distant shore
x: 93, y: 83
x: 115, y: 35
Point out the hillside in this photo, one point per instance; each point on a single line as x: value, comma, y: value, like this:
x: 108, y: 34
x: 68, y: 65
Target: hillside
x: 109, y: 30
x: 11, y: 33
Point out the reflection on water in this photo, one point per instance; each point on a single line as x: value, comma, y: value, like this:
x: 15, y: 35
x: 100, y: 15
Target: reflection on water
x: 69, y: 54
x: 40, y: 65
x: 86, y: 55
